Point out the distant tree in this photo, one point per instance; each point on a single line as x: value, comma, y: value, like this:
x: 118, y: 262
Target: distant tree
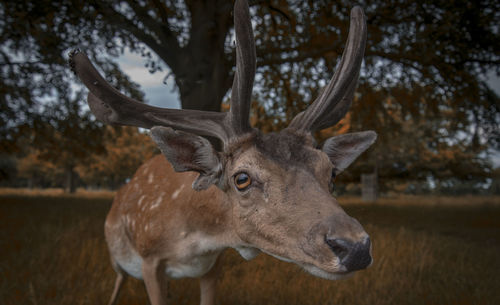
x: 8, y: 169
x: 443, y: 46
x: 125, y: 149
x: 421, y: 145
x: 495, y: 183
x: 37, y: 171
x: 63, y: 137
x: 104, y: 160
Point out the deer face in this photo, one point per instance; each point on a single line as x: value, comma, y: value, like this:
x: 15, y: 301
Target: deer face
x: 280, y: 187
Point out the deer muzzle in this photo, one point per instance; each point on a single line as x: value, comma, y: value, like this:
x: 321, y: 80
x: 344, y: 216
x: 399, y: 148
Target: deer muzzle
x: 352, y: 255
x: 339, y: 244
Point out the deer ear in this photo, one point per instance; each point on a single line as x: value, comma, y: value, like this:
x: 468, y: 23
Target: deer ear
x: 189, y: 152
x: 344, y: 149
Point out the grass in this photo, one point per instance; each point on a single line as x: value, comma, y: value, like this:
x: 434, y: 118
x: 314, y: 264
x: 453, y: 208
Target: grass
x: 427, y: 250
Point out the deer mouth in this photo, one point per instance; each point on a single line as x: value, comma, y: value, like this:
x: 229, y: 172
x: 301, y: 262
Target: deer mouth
x: 334, y: 272
x: 339, y: 259
x: 327, y: 275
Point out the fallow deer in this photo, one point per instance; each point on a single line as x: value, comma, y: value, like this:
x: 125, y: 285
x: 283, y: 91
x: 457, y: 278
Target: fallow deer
x: 259, y: 192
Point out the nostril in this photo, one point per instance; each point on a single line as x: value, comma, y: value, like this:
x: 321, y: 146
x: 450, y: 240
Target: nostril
x: 339, y: 246
x: 354, y: 256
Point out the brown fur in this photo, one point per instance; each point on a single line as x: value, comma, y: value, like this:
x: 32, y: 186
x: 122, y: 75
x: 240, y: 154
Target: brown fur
x: 168, y: 205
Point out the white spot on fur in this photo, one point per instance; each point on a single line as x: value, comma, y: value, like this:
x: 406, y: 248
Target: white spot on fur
x: 141, y: 199
x: 157, y: 202
x: 177, y: 192
x: 146, y: 227
x: 150, y: 178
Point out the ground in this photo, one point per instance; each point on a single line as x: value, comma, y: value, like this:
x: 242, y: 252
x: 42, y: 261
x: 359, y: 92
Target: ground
x: 427, y: 250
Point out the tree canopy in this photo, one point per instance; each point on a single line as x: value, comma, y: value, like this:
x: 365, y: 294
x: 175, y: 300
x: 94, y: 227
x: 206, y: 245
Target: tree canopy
x: 423, y: 72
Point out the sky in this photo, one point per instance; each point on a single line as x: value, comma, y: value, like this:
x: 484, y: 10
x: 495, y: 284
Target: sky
x: 494, y: 82
x: 157, y: 93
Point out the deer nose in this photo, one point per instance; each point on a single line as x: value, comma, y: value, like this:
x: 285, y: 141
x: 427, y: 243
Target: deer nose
x: 353, y: 255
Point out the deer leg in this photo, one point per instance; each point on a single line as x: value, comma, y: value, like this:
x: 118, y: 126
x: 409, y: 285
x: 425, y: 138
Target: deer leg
x: 120, y: 279
x: 208, y: 283
x: 154, y: 278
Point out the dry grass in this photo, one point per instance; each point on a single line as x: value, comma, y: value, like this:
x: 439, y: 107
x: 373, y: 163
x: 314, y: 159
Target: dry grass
x: 53, y: 252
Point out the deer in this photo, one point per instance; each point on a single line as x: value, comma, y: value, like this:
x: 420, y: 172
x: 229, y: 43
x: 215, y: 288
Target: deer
x: 257, y: 192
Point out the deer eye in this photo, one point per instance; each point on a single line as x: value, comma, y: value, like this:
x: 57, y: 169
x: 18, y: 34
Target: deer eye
x: 242, y: 181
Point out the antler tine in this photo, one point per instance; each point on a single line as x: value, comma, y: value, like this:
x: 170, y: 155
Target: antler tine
x: 336, y: 98
x: 112, y: 107
x: 245, y: 69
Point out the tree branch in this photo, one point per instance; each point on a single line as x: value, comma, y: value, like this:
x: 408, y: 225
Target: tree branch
x: 169, y: 55
x: 165, y: 33
x: 263, y: 58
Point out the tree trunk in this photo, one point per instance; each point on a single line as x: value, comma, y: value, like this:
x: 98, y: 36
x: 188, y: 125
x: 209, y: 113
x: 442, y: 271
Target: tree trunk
x: 203, y: 70
x: 203, y: 94
x: 70, y: 185
x: 203, y: 83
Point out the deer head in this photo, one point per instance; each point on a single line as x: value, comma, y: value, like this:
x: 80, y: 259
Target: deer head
x: 279, y: 184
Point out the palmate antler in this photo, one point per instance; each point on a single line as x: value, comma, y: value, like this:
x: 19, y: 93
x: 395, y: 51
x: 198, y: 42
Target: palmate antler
x: 112, y: 107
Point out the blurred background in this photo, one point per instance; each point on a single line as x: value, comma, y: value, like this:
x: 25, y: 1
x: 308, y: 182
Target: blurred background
x: 429, y: 86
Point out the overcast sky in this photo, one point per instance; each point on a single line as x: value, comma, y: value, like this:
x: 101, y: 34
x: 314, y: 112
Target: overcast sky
x: 157, y: 93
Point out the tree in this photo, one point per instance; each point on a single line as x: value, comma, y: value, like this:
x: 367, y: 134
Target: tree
x: 422, y: 145
x: 64, y: 136
x: 125, y: 150
x: 444, y: 46
x: 36, y: 171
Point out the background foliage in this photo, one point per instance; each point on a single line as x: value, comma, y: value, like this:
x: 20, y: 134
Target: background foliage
x: 422, y: 85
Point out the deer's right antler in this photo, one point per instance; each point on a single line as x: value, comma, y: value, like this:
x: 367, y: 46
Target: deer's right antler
x: 112, y: 107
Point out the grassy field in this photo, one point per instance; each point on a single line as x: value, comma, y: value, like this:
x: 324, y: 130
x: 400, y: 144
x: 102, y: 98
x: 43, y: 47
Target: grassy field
x: 427, y: 250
